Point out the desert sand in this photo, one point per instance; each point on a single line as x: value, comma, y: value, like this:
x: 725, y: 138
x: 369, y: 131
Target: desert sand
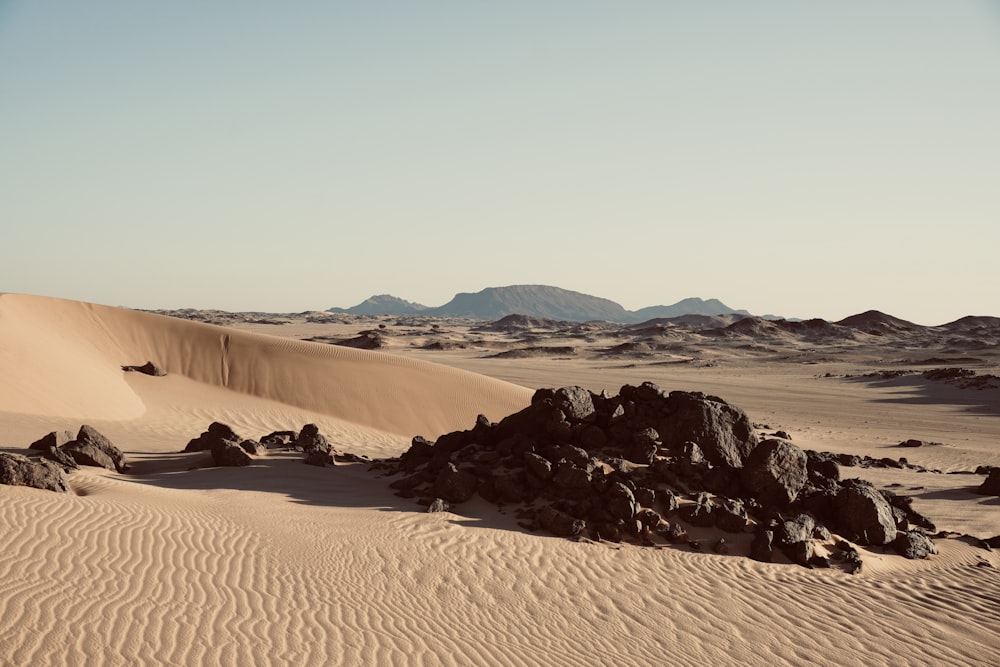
x: 178, y: 562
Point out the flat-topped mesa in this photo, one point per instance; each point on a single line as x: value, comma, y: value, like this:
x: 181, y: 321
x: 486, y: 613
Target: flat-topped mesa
x: 617, y: 467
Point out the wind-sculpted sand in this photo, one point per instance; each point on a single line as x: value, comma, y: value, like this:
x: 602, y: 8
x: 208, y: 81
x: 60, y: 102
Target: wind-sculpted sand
x: 176, y: 562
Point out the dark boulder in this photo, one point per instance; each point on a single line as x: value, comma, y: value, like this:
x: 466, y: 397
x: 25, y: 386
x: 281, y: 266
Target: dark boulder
x: 723, y: 431
x: 560, y: 523
x: 310, y: 439
x: 642, y: 446
x: 991, y: 486
x: 797, y: 529
x: 863, y: 514
x: 18, y: 470
x: 230, y: 454
x: 438, y: 505
x: 620, y: 501
x: 319, y: 458
x: 92, y: 449
x: 454, y: 485
x: 538, y: 466
x: 731, y: 516
x: 53, y: 439
x: 576, y: 403
x: 216, y: 434
x: 914, y: 544
x: 800, y: 553
x: 148, y: 368
x: 775, y: 472
x: 253, y: 447
x: 572, y: 480
x: 762, y: 547
x: 57, y: 455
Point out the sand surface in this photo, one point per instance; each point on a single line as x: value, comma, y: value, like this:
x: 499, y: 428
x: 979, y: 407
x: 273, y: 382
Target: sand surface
x: 178, y: 563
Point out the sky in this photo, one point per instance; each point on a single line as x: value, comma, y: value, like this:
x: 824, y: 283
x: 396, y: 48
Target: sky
x: 793, y: 158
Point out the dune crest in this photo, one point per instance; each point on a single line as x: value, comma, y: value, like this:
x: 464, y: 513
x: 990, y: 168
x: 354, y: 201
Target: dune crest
x: 63, y: 358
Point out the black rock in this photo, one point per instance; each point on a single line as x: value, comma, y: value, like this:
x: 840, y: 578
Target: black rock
x: 18, y: 470
x: 863, y: 514
x: 620, y: 501
x: 775, y: 472
x: 560, y: 523
x: 454, y: 485
x: 731, y: 516
x: 310, y: 439
x: 57, y: 455
x: 253, y: 447
x: 317, y: 457
x: 762, y: 547
x: 216, y: 434
x: 914, y: 544
x: 53, y: 439
x: 230, y: 454
x: 723, y: 431
x: 991, y: 486
x: 438, y: 505
x: 148, y: 368
x: 538, y: 466
x: 797, y: 529
x: 92, y: 449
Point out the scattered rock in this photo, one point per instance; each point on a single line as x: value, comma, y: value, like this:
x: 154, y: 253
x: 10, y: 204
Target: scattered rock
x: 217, y: 434
x: 148, y: 368
x: 230, y: 454
x: 53, y: 439
x: 438, y: 505
x: 864, y: 515
x: 914, y: 544
x: 775, y: 472
x: 991, y: 486
x: 310, y: 439
x: 90, y: 448
x: 454, y: 485
x: 18, y: 470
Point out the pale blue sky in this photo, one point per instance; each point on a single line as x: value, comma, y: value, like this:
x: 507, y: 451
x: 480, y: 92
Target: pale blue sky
x: 799, y: 158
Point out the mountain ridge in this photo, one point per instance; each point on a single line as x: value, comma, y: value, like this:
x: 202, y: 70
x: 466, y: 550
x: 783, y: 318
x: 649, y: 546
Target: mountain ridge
x: 541, y: 301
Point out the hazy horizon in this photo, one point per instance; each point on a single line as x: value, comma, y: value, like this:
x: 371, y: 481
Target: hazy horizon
x: 788, y: 159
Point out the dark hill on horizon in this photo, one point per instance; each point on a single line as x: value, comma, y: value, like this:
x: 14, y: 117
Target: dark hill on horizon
x: 540, y: 301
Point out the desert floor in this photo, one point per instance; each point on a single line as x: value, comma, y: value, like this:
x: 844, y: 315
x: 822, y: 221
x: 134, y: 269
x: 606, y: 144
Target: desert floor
x: 177, y: 562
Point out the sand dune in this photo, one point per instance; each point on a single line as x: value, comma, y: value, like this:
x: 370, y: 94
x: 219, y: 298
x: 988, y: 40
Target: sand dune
x: 283, y: 563
x: 63, y: 358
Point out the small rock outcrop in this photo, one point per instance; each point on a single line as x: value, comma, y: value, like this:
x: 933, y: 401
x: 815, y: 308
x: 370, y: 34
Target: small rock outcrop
x: 18, y: 470
x: 90, y: 448
x: 310, y: 439
x: 991, y: 485
x: 775, y: 472
x: 863, y: 514
x: 53, y: 439
x: 230, y: 454
x: 148, y: 368
x: 226, y: 446
x: 216, y: 434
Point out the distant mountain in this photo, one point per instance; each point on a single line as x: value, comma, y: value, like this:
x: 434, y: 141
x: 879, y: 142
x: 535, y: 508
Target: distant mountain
x: 383, y: 304
x: 537, y: 301
x: 689, y: 306
x: 543, y: 301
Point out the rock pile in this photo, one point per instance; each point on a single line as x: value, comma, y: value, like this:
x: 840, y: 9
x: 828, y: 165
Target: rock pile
x: 645, y: 466
x: 88, y: 448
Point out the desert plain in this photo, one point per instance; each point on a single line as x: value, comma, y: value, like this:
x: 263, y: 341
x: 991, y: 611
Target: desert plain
x: 178, y: 561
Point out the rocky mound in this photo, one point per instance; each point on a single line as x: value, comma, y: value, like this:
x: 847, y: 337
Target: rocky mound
x: 645, y: 466
x: 91, y: 448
